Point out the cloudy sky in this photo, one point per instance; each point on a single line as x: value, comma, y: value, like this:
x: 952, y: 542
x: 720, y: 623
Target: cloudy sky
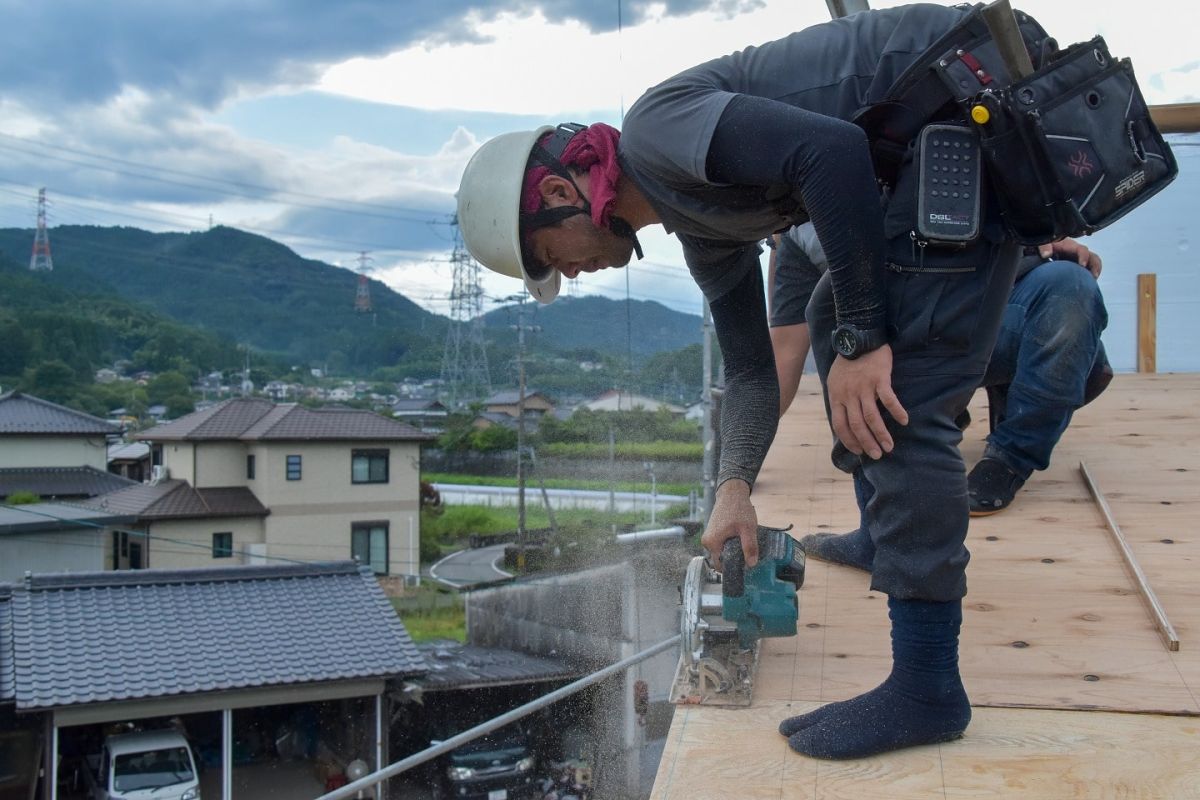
x: 343, y: 127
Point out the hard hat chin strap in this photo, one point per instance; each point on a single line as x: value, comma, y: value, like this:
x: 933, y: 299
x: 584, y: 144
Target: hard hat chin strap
x: 549, y: 155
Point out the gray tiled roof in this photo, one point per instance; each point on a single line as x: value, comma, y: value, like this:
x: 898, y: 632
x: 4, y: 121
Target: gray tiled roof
x: 22, y: 414
x: 427, y: 404
x: 7, y: 667
x: 453, y: 665
x: 176, y: 499
x: 250, y: 419
x: 112, y: 636
x: 49, y: 482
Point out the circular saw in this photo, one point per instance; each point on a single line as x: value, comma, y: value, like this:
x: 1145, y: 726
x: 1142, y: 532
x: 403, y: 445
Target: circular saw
x: 726, y: 614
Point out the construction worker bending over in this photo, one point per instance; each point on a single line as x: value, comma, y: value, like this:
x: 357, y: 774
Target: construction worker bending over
x: 1048, y: 361
x: 723, y: 155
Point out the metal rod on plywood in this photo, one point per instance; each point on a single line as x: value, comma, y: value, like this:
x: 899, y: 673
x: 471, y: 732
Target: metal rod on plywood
x: 1170, y: 637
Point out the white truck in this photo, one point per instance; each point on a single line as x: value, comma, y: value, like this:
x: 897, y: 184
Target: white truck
x: 144, y: 765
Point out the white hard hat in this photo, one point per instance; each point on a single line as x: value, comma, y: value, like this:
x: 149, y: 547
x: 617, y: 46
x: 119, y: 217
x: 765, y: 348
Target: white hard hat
x: 489, y: 210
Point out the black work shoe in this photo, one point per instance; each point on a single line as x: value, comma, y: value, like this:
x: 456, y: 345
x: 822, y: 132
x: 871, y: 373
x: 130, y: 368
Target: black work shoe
x: 991, y: 487
x: 963, y: 420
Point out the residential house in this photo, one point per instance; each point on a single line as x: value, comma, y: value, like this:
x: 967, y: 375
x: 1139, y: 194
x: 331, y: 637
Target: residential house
x: 53, y: 451
x: 426, y: 414
x: 278, y: 390
x: 249, y: 479
x: 488, y: 419
x: 130, y: 460
x: 619, y: 400
x: 221, y: 653
x: 507, y: 401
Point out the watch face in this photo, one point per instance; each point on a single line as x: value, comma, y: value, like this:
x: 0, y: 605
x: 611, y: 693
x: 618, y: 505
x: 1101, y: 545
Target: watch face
x: 846, y: 342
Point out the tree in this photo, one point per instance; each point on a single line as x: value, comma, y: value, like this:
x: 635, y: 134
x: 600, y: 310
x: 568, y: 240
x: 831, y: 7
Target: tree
x: 168, y: 385
x: 179, y: 404
x: 51, y: 380
x: 494, y: 439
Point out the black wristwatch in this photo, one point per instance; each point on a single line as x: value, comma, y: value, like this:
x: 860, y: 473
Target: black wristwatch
x: 851, y: 342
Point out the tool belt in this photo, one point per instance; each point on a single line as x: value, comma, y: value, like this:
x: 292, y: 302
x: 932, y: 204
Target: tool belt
x: 1066, y: 151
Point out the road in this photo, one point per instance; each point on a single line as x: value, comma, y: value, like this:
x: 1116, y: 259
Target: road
x: 467, y: 567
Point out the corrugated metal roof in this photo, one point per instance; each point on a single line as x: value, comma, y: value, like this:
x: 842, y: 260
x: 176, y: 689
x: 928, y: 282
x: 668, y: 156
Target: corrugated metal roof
x: 250, y: 419
x: 112, y: 636
x: 22, y: 414
x: 453, y: 665
x: 176, y: 499
x: 128, y: 451
x: 37, y: 517
x: 61, y: 482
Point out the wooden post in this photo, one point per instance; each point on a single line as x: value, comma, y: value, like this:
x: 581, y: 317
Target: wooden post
x: 1147, y: 322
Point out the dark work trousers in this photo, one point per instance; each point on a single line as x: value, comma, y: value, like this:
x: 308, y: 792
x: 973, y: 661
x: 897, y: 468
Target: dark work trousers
x: 941, y: 328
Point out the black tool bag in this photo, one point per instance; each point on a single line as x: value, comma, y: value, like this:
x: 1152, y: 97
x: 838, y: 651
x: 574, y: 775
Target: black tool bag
x: 1071, y: 148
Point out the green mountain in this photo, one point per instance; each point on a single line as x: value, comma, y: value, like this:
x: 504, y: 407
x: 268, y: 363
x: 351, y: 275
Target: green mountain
x: 604, y: 325
x: 238, y: 287
x: 245, y: 287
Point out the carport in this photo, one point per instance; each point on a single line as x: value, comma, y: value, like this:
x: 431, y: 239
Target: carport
x: 467, y: 684
x: 90, y: 649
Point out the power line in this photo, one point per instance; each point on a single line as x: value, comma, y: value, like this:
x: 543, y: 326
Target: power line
x: 366, y: 208
x: 177, y: 218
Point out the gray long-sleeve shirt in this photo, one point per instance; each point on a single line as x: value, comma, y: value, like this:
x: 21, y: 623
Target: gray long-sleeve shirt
x: 740, y: 147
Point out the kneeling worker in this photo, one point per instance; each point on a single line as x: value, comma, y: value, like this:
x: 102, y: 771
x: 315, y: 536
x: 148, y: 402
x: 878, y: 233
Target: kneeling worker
x: 1048, y: 361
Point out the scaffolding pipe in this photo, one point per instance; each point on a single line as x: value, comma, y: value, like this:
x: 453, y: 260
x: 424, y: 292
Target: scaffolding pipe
x: 429, y: 753
x: 674, y: 532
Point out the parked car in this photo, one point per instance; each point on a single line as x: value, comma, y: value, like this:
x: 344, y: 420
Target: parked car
x: 143, y: 765
x: 499, y: 766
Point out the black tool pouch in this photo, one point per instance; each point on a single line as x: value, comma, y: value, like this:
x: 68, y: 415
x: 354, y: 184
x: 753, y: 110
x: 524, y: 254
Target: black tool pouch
x: 1071, y: 148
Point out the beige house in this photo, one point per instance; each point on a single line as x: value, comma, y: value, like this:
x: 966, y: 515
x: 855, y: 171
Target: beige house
x: 52, y: 451
x: 251, y: 481
x: 507, y: 402
x: 38, y: 433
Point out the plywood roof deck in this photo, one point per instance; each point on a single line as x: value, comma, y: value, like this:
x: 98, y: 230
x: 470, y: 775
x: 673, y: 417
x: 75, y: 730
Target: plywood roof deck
x: 1075, y: 693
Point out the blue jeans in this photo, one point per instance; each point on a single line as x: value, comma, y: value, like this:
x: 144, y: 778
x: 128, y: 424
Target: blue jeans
x: 1049, y: 342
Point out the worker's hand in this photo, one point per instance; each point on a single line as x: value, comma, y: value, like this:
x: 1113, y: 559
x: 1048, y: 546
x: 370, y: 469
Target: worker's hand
x: 733, y: 517
x: 856, y: 388
x: 1070, y: 249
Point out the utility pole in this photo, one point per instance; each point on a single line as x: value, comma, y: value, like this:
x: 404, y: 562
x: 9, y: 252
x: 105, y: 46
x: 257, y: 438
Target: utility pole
x: 844, y: 8
x: 40, y: 260
x: 708, y: 475
x: 521, y: 327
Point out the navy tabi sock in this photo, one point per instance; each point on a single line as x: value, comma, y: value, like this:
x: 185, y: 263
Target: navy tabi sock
x: 921, y: 702
x: 854, y: 549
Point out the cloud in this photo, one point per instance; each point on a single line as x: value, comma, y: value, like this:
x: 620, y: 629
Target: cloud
x: 82, y: 51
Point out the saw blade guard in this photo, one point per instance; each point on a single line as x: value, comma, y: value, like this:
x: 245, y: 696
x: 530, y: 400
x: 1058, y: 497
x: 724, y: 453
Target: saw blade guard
x: 762, y: 600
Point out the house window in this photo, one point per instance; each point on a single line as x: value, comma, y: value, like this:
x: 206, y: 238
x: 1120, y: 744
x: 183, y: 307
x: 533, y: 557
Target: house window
x: 293, y: 468
x: 369, y: 466
x: 249, y: 468
x: 223, y: 545
x: 369, y: 545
